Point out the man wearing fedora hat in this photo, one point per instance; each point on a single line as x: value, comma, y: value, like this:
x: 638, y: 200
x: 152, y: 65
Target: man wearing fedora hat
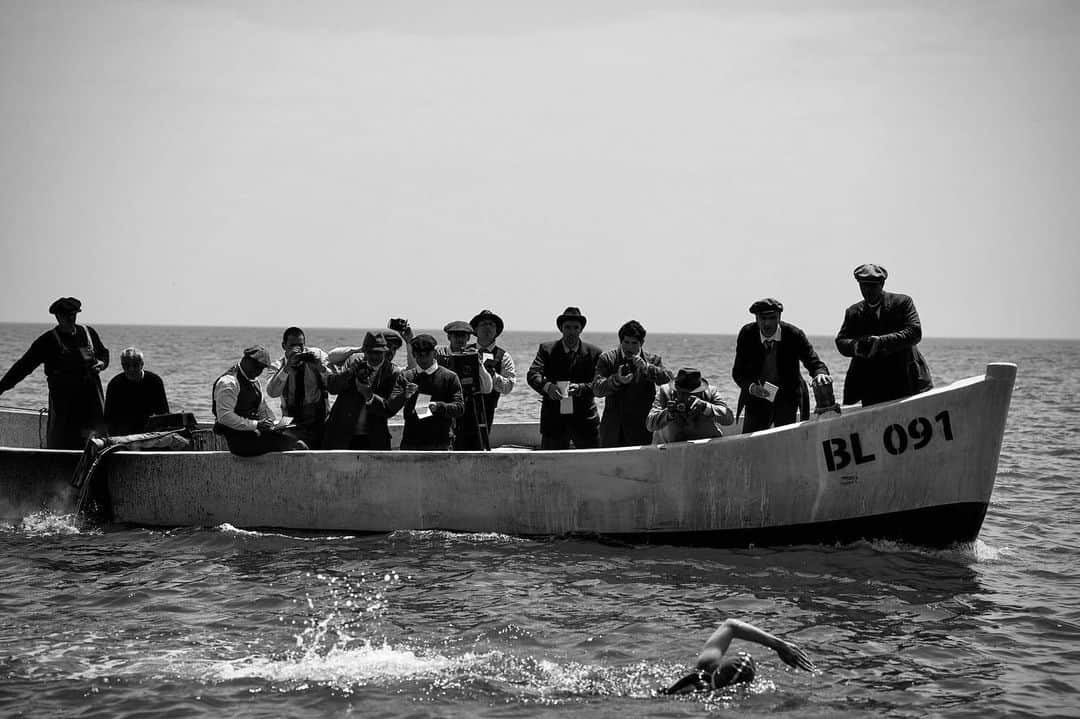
x: 688, y: 408
x: 497, y: 361
x: 369, y: 390
x: 768, y: 352
x: 627, y: 377
x: 74, y: 357
x: 241, y: 413
x: 880, y: 334
x: 571, y: 361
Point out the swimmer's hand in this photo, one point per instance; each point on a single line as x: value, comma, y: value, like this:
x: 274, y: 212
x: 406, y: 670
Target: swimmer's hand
x: 793, y: 656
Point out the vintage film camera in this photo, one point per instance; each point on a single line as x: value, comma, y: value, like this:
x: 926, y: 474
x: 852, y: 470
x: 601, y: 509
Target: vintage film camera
x: 466, y: 366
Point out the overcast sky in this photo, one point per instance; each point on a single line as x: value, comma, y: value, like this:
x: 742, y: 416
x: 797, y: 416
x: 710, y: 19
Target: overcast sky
x: 330, y: 163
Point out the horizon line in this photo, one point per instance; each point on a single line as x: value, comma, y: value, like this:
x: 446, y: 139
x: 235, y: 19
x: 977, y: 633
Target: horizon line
x: 530, y: 331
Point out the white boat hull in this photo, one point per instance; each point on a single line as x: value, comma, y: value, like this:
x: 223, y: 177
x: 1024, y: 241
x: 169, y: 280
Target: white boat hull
x: 920, y: 469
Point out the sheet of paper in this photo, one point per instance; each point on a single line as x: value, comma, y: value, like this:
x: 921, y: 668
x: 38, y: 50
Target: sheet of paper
x: 566, y: 405
x: 771, y: 389
x: 422, y: 405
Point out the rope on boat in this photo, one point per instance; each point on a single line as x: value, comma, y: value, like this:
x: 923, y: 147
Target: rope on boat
x: 42, y: 412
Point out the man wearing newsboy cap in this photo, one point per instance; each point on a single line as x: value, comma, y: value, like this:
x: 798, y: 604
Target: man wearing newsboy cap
x: 880, y: 335
x: 767, y: 356
x: 74, y: 357
x: 241, y: 413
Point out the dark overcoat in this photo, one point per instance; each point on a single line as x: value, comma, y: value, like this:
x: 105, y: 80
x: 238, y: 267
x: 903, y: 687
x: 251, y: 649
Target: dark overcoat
x: 794, y: 348
x: 553, y: 364
x: 898, y: 369
x: 388, y: 398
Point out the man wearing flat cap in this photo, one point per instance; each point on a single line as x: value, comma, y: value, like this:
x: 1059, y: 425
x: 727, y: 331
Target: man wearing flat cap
x: 767, y: 356
x: 370, y: 389
x: 880, y: 335
x: 241, y: 413
x: 470, y: 430
x: 688, y: 408
x: 569, y: 416
x: 497, y: 361
x: 433, y: 400
x: 74, y: 357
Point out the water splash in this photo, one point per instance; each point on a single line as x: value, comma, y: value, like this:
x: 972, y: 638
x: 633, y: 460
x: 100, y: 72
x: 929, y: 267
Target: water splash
x: 978, y: 550
x: 47, y: 524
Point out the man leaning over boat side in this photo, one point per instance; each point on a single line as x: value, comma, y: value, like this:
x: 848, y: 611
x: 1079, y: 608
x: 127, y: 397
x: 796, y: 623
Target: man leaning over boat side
x: 688, y: 408
x: 439, y: 389
x: 299, y: 379
x: 573, y: 362
x: 467, y: 427
x: 241, y: 413
x: 768, y: 352
x: 133, y: 396
x: 369, y: 391
x: 497, y: 360
x: 74, y: 358
x: 627, y: 377
x: 880, y: 334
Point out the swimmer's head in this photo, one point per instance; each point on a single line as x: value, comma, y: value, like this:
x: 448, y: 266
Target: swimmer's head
x: 738, y: 669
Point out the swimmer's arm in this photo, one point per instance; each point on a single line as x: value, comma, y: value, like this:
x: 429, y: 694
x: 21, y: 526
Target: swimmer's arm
x: 717, y: 644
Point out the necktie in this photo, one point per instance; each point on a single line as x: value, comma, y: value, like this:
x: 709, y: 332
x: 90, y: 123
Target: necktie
x: 769, y: 344
x: 298, y: 390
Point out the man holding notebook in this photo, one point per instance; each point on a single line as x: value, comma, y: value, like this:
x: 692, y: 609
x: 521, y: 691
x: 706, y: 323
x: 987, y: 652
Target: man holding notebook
x: 767, y: 356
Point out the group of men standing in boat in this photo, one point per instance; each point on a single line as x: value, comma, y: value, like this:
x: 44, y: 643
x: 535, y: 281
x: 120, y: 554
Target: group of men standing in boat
x: 448, y: 394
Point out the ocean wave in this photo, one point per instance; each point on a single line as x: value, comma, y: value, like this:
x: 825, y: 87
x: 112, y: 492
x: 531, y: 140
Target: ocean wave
x: 47, y: 524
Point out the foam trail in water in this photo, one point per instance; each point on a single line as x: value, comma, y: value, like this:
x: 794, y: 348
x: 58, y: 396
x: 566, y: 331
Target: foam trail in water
x: 227, y: 528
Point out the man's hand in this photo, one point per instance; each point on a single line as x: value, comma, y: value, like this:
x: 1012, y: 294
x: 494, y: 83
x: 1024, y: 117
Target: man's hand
x: 553, y: 392
x: 265, y: 425
x: 365, y: 390
x: 697, y: 407
x: 758, y: 390
x: 98, y: 366
x: 794, y: 656
x: 625, y: 375
x: 433, y: 407
x: 410, y: 389
x: 821, y: 379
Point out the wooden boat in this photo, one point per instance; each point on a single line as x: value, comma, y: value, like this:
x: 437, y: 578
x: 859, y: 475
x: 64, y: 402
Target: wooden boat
x: 919, y: 470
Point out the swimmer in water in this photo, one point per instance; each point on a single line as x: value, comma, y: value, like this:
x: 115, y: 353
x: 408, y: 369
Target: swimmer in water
x: 715, y: 671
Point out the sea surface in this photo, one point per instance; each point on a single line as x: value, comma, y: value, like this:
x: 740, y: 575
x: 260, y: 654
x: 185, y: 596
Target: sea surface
x: 100, y: 621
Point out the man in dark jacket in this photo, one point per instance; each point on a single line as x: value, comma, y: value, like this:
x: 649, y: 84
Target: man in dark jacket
x: 880, y: 334
x: 627, y: 377
x: 74, y: 358
x: 570, y: 415
x: 433, y: 400
x: 767, y: 357
x: 369, y: 390
x: 133, y: 396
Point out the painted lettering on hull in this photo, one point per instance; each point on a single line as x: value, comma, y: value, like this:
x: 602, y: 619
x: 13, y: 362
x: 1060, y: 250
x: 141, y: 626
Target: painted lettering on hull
x: 896, y: 439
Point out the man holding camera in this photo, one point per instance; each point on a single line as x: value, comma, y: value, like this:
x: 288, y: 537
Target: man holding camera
x: 570, y: 415
x: 767, y: 357
x: 880, y: 335
x: 627, y: 377
x: 476, y: 382
x: 688, y: 408
x: 369, y: 390
x: 240, y: 411
x: 299, y: 379
x: 433, y: 400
